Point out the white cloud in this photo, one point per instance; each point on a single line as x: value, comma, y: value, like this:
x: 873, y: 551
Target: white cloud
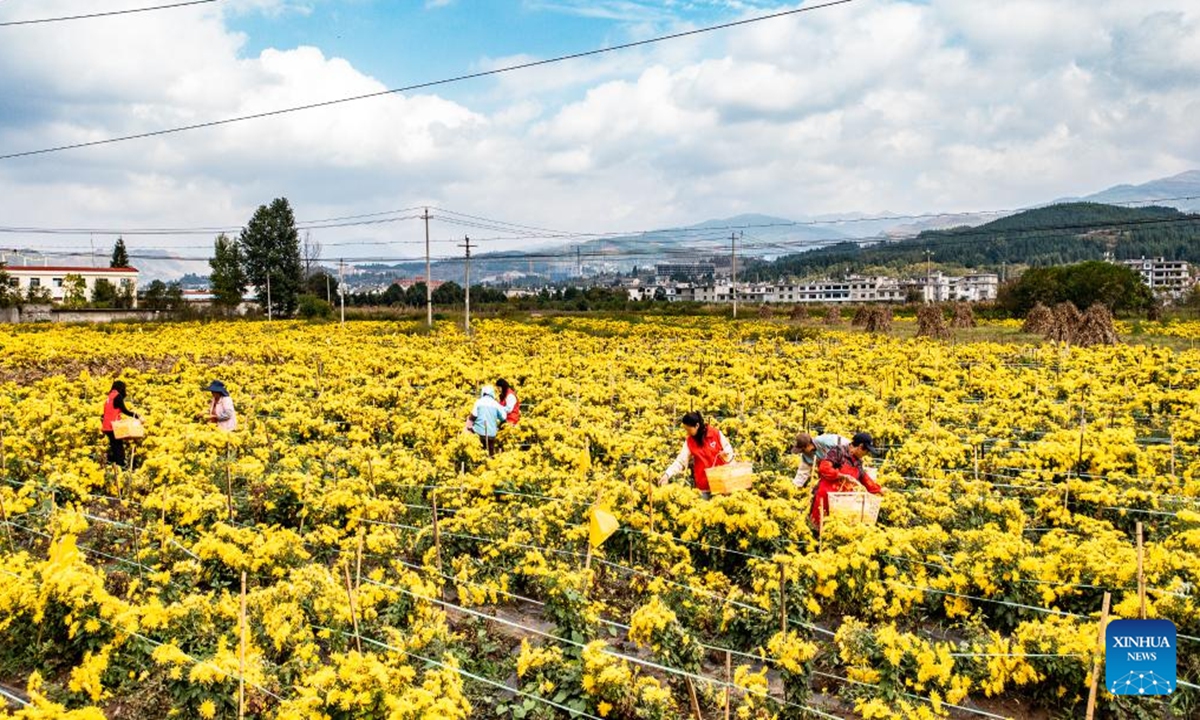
x: 949, y: 105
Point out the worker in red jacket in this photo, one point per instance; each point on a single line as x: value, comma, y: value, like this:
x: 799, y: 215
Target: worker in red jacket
x: 841, y: 470
x: 508, y: 399
x: 114, y: 406
x: 705, y: 446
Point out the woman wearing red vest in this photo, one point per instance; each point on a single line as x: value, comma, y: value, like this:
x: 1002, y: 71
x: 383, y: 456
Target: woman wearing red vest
x: 508, y: 399
x: 114, y: 406
x: 706, y: 446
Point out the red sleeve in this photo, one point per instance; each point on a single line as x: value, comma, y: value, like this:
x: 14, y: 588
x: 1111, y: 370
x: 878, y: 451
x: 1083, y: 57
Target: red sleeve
x: 826, y: 471
x: 871, y: 486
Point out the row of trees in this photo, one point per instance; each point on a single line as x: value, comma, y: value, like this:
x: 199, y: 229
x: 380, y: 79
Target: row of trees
x: 1084, y: 284
x: 266, y: 255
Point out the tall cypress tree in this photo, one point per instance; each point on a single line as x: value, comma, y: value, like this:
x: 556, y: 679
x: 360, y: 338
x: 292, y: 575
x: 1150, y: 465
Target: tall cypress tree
x: 228, y: 279
x: 120, y: 257
x: 271, y: 249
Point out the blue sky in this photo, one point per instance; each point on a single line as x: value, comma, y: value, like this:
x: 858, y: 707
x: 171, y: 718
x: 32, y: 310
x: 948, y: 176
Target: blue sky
x: 401, y: 43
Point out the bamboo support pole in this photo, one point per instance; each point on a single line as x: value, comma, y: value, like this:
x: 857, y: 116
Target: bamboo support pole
x: 1091, y: 702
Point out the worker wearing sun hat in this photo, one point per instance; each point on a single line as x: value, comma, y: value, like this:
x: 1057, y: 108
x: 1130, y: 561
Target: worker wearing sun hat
x: 221, y: 410
x: 813, y: 450
x: 486, y: 418
x: 842, y: 470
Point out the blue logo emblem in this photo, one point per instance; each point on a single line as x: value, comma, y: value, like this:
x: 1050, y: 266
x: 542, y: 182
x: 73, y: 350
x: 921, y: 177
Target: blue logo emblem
x: 1139, y: 657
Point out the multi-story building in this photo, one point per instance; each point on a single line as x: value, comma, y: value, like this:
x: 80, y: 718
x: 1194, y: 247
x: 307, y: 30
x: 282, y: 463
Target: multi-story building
x: 692, y: 271
x: 853, y: 289
x: 979, y: 287
x: 1164, y: 277
x: 53, y: 277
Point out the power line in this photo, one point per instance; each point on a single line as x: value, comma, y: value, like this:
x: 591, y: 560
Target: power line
x: 432, y: 83
x: 324, y: 223
x: 654, y: 247
x: 64, y: 18
x: 504, y: 226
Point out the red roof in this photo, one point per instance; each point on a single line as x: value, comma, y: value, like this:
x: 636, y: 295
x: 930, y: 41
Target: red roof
x: 66, y: 269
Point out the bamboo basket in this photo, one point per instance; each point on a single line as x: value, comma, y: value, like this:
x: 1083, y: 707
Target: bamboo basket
x: 724, y: 479
x: 860, y: 506
x: 128, y: 429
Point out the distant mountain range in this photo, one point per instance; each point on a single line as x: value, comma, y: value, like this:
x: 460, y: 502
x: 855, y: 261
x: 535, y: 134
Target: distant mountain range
x: 1050, y: 235
x: 759, y: 237
x: 1181, y: 192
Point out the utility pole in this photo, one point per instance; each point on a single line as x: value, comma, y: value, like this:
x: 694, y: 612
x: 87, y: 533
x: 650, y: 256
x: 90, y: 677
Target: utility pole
x: 342, y: 288
x: 733, y: 259
x: 428, y: 279
x: 467, y: 318
x: 328, y: 293
x: 1003, y: 270
x: 928, y: 273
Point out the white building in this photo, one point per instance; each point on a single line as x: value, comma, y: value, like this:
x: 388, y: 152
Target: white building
x: 980, y: 287
x: 1165, y: 277
x: 51, y: 277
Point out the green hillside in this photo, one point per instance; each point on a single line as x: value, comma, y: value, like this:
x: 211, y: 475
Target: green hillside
x: 1064, y: 233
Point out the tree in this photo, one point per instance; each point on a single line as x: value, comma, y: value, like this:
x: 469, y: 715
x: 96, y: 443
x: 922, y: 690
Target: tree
x: 1083, y: 284
x: 9, y: 294
x: 449, y: 293
x: 104, y: 293
x: 155, y: 296
x: 74, y: 291
x: 323, y: 285
x: 310, y: 251
x: 228, y: 280
x: 394, y: 295
x: 270, y: 248
x: 124, y: 294
x: 312, y: 307
x: 38, y: 295
x: 175, y: 301
x: 415, y: 295
x: 120, y: 258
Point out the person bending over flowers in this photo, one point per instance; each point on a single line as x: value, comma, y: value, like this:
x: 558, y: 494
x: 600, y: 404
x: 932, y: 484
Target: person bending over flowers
x: 705, y: 446
x: 841, y: 471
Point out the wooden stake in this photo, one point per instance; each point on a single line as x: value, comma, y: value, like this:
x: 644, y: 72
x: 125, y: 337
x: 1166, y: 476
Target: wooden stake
x: 229, y: 492
x: 358, y: 562
x: 437, y: 535
x: 782, y: 600
x: 820, y: 526
x: 353, y: 608
x: 728, y: 683
x: 975, y: 456
x: 1082, y: 424
x: 695, y: 702
x: 137, y: 548
x: 242, y: 653
x: 1141, y: 574
x: 1091, y: 703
